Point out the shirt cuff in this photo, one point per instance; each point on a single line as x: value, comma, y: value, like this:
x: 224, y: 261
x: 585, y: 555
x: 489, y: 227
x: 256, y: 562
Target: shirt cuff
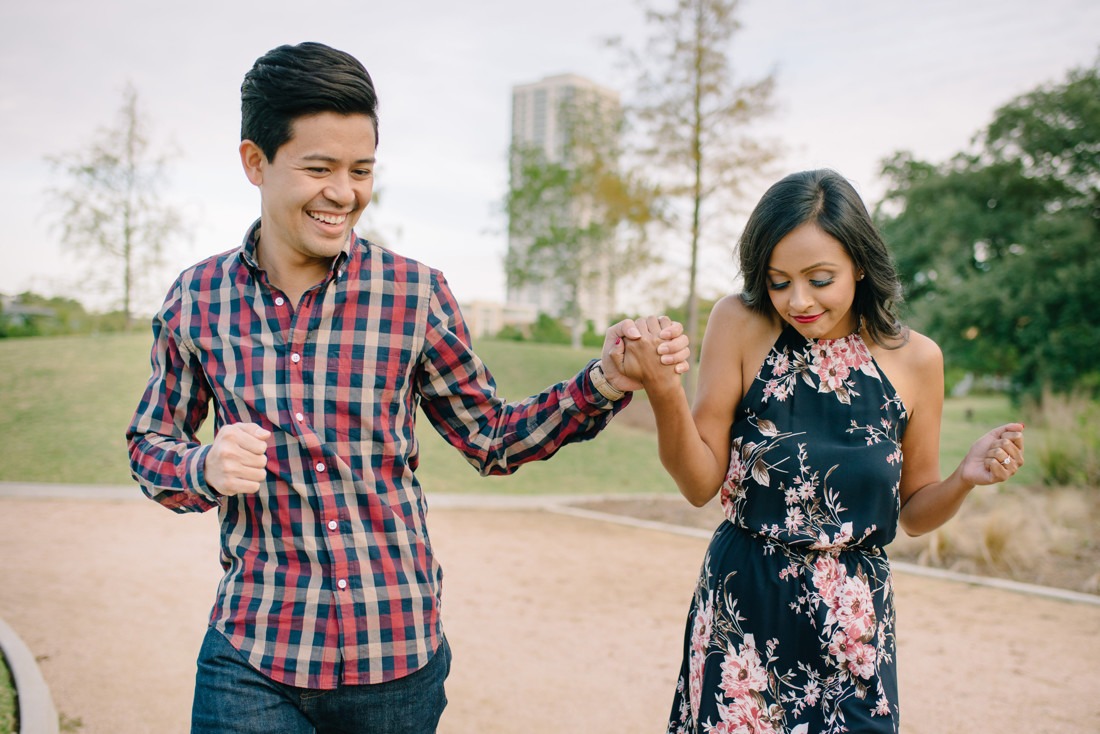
x: 195, y: 480
x: 594, y: 396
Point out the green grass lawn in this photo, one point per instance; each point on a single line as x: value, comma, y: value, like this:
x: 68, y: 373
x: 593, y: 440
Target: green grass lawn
x: 7, y: 699
x: 68, y: 400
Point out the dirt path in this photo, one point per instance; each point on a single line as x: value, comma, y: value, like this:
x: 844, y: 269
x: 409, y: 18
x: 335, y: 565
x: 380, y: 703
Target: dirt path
x: 559, y: 625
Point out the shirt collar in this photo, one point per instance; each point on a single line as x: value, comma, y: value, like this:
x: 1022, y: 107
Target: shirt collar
x: 247, y: 253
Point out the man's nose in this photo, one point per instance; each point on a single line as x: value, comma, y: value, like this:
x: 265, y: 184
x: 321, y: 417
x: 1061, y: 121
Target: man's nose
x: 339, y: 189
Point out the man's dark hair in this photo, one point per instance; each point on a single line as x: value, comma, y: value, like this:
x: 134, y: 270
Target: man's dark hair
x: 289, y: 82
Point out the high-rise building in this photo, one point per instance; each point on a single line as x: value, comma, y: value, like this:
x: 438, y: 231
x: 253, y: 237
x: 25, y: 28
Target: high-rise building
x: 537, y: 121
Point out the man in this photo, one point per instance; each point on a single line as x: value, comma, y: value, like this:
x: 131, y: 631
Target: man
x: 315, y: 348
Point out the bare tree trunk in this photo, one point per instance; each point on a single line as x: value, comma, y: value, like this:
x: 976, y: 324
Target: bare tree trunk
x: 692, y: 326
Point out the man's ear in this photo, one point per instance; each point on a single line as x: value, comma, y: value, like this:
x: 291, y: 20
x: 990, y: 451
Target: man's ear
x: 253, y: 160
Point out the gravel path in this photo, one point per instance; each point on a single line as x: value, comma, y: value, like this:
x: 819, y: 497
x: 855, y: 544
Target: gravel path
x: 559, y: 624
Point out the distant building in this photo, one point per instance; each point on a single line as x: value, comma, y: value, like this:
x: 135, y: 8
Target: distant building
x: 14, y: 313
x: 536, y: 112
x: 488, y: 318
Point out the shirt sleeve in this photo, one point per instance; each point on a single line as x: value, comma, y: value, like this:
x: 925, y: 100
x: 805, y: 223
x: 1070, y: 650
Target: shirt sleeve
x: 459, y: 397
x: 166, y: 458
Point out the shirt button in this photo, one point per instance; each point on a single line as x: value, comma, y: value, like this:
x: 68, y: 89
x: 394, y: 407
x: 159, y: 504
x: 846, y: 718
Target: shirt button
x: 299, y: 417
x: 342, y: 584
x: 295, y: 358
x: 279, y: 301
x: 320, y: 466
x: 332, y: 525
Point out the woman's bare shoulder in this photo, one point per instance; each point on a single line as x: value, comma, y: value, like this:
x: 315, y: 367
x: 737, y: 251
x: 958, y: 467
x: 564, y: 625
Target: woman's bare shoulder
x: 913, y: 368
x: 921, y: 352
x: 734, y: 317
x: 736, y: 343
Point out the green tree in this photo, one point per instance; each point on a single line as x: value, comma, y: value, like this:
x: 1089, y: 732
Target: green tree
x: 997, y: 248
x: 112, y: 212
x: 576, y: 218
x: 696, y: 114
x: 31, y: 314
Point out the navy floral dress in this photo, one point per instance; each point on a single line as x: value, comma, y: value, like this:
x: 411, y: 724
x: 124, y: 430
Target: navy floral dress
x: 791, y: 627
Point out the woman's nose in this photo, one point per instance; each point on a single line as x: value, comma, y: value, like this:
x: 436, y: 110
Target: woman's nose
x: 801, y: 298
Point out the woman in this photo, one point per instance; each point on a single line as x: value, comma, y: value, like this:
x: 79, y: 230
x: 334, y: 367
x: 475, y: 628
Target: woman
x: 810, y: 394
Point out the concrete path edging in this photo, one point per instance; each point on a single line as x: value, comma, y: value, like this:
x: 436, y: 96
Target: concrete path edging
x: 37, y: 713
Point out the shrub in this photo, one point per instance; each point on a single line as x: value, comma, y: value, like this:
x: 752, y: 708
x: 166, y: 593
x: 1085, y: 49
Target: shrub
x: 511, y: 333
x: 548, y: 330
x: 1069, y: 453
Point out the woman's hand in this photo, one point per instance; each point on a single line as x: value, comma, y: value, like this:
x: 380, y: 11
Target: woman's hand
x: 656, y: 343
x: 996, y: 456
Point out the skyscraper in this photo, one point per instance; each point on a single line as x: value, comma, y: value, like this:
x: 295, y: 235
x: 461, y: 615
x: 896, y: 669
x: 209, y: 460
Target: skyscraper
x: 537, y: 121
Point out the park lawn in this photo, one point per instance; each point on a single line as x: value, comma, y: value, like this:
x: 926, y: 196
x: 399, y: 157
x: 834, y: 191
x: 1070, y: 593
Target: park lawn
x: 68, y: 401
x: 7, y: 699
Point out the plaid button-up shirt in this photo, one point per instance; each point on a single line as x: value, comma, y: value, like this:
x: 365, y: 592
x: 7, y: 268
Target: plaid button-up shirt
x: 329, y: 573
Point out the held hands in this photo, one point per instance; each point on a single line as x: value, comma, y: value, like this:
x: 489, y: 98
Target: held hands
x: 996, y: 456
x: 237, y: 460
x: 658, y: 348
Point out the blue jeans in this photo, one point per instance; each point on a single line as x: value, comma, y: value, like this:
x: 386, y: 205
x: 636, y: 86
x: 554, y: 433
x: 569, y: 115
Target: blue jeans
x: 232, y: 697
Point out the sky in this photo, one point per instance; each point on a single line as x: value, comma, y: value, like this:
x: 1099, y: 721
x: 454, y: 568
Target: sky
x: 856, y: 81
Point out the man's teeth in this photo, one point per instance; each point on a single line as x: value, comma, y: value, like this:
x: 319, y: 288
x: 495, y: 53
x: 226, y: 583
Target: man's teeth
x: 329, y: 218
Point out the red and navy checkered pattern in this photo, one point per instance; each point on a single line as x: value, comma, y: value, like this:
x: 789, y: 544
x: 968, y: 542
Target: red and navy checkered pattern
x: 329, y: 573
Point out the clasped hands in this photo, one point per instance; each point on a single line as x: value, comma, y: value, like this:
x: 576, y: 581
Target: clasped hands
x: 645, y: 353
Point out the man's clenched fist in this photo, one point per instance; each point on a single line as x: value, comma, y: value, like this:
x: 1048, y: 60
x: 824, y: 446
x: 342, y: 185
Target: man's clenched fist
x: 237, y: 460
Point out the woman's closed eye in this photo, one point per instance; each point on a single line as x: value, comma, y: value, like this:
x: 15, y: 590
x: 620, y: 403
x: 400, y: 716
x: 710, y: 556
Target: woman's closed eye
x: 813, y: 281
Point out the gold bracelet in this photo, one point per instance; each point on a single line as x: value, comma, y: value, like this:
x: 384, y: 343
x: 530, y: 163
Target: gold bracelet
x: 602, y: 385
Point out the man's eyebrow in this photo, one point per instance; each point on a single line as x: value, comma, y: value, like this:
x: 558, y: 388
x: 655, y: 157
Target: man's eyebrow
x: 323, y: 158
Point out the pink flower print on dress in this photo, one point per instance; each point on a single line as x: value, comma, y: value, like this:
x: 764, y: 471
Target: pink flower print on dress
x: 838, y: 542
x: 795, y: 519
x: 828, y: 575
x: 780, y: 364
x: 811, y: 692
x: 702, y: 625
x: 778, y: 389
x: 833, y: 362
x: 695, y: 682
x: 830, y: 367
x: 861, y: 659
x: 855, y: 610
x: 858, y: 658
x: 743, y: 672
x: 745, y: 715
x: 732, y: 488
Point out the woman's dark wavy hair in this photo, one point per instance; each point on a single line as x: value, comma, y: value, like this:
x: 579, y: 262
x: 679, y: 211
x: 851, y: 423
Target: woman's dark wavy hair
x: 829, y: 200
x: 289, y: 82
